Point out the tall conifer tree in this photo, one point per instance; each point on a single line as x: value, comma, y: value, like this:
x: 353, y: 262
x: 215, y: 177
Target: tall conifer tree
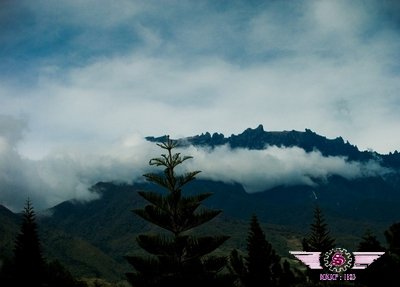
x: 393, y: 239
x: 261, y: 266
x: 29, y: 262
x: 370, y: 243
x: 180, y: 258
x: 382, y: 271
x: 319, y: 238
x: 29, y: 267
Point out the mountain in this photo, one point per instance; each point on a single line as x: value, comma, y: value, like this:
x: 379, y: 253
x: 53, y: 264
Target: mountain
x: 80, y: 256
x: 109, y: 224
x: 9, y: 225
x: 92, y: 238
x: 308, y: 140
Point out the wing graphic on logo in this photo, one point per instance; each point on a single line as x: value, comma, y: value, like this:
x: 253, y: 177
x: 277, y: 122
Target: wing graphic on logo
x: 311, y: 259
x: 364, y: 259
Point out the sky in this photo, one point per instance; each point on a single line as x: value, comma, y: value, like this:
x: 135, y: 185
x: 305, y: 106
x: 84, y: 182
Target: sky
x: 82, y: 82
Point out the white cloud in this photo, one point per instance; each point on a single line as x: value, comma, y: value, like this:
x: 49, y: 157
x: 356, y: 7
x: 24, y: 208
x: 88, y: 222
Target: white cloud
x: 69, y: 172
x: 259, y: 170
x: 66, y: 173
x: 155, y: 96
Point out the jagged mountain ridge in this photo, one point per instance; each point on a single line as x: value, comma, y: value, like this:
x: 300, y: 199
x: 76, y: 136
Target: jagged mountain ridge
x: 308, y: 140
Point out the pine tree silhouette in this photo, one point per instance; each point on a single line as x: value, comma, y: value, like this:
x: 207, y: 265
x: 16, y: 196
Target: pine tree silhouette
x: 177, y: 258
x: 261, y: 266
x: 393, y: 239
x: 319, y: 239
x: 262, y: 261
x: 287, y: 278
x: 29, y: 267
x: 28, y: 259
x: 383, y: 271
x: 369, y: 276
x: 370, y: 243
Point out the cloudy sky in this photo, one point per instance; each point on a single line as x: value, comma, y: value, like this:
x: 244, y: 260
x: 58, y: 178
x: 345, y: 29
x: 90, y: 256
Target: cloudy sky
x: 82, y: 82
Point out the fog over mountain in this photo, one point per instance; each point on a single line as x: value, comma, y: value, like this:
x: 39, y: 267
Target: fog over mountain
x: 258, y: 170
x: 69, y: 172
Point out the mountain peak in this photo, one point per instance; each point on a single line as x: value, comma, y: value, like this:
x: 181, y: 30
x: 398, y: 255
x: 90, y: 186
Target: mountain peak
x: 308, y: 140
x: 259, y: 128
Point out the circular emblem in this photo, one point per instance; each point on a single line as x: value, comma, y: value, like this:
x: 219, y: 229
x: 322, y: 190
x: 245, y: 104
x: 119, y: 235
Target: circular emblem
x: 338, y: 260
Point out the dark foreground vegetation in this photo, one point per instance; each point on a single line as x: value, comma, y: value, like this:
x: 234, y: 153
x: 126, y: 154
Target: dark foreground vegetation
x: 178, y: 255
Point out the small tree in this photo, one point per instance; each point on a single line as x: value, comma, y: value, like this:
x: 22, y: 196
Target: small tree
x: 381, y: 272
x: 261, y: 266
x: 369, y: 243
x: 319, y: 239
x: 178, y: 259
x: 393, y: 239
x: 29, y: 267
x: 287, y: 278
x: 28, y: 259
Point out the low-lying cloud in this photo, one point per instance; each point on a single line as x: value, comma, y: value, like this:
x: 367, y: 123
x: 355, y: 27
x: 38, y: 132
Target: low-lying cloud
x: 65, y: 173
x: 258, y: 170
x: 68, y: 173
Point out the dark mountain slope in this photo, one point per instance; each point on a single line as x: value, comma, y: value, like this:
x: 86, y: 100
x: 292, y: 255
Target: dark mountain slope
x: 351, y: 206
x: 76, y: 253
x: 109, y: 225
x: 105, y: 221
x: 81, y: 257
x: 9, y: 226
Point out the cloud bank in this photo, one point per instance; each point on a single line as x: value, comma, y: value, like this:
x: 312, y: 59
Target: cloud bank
x: 259, y: 170
x: 95, y: 71
x: 68, y: 173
